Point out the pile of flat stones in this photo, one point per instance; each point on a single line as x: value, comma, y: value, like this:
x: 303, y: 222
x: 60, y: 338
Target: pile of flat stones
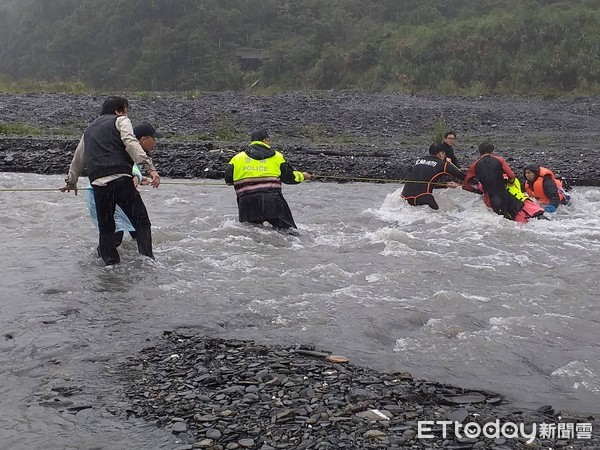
x: 233, y: 394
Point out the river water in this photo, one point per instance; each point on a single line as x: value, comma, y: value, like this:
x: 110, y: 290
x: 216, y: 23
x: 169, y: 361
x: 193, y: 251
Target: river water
x: 460, y: 295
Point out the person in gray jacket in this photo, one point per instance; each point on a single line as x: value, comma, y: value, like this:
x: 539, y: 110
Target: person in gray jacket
x: 107, y: 150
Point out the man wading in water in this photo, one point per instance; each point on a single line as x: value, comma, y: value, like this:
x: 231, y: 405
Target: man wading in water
x: 108, y: 149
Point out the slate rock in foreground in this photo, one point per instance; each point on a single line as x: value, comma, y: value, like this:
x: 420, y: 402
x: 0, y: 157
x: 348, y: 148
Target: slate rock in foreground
x: 232, y: 394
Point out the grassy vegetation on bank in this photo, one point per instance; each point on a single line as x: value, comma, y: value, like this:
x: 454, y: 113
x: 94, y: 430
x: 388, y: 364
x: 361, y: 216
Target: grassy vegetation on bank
x: 27, y: 129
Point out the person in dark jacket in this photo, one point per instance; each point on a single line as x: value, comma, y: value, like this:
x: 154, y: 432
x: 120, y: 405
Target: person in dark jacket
x: 256, y: 175
x: 545, y: 187
x: 107, y: 150
x: 493, y: 172
x: 427, y: 174
x: 449, y: 141
x: 147, y: 135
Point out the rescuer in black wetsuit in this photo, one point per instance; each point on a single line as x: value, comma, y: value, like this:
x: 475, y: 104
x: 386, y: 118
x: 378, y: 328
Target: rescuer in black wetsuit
x: 493, y: 172
x: 425, y: 175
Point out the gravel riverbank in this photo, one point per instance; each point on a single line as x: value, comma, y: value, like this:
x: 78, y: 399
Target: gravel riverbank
x: 340, y: 134
x: 231, y: 394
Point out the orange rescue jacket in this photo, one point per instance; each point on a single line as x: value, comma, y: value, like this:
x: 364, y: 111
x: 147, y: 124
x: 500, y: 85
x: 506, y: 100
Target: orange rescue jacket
x: 536, y: 189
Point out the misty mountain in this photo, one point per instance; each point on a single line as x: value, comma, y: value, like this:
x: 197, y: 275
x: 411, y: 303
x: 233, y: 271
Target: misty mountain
x: 458, y: 46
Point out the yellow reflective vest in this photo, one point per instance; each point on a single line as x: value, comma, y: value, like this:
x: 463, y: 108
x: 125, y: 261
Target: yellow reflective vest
x: 251, y: 174
x: 515, y: 189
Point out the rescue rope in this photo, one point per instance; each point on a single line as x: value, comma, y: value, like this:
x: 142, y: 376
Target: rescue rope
x: 88, y: 188
x: 380, y: 180
x: 203, y: 183
x: 194, y: 183
x: 36, y: 189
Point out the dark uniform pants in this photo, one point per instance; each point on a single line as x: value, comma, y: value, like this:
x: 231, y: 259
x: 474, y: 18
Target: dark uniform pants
x: 265, y: 206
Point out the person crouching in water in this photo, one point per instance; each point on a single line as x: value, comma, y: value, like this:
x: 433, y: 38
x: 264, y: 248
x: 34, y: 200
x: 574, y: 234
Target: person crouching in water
x: 426, y: 175
x: 256, y: 175
x: 500, y: 187
x: 542, y: 184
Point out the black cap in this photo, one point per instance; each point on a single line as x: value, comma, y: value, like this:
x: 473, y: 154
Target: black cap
x: 259, y: 135
x: 145, y: 129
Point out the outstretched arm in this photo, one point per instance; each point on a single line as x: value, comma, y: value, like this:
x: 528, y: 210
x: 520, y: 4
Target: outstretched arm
x: 507, y: 170
x: 471, y: 183
x: 455, y: 171
x: 75, y: 168
x: 291, y: 176
x: 135, y: 150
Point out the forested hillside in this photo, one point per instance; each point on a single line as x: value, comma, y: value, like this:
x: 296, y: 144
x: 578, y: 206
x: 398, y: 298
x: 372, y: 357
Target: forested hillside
x: 447, y: 46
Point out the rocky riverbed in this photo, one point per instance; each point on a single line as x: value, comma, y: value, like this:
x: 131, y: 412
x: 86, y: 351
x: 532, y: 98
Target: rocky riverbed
x: 233, y: 394
x: 335, y: 134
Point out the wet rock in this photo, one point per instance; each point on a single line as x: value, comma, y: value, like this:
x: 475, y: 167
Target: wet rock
x: 458, y: 415
x: 375, y: 415
x: 179, y: 427
x: 461, y: 399
x: 213, y: 434
x: 56, y: 403
x: 376, y: 435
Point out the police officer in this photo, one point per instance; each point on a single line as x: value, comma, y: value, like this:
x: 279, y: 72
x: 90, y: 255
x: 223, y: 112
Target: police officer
x: 256, y: 175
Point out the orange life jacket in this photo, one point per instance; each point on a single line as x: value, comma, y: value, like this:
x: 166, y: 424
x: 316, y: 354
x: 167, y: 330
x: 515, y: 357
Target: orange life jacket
x: 536, y: 189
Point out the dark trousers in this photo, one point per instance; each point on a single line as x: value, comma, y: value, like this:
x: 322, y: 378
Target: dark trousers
x: 118, y: 239
x: 265, y: 206
x: 121, y: 192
